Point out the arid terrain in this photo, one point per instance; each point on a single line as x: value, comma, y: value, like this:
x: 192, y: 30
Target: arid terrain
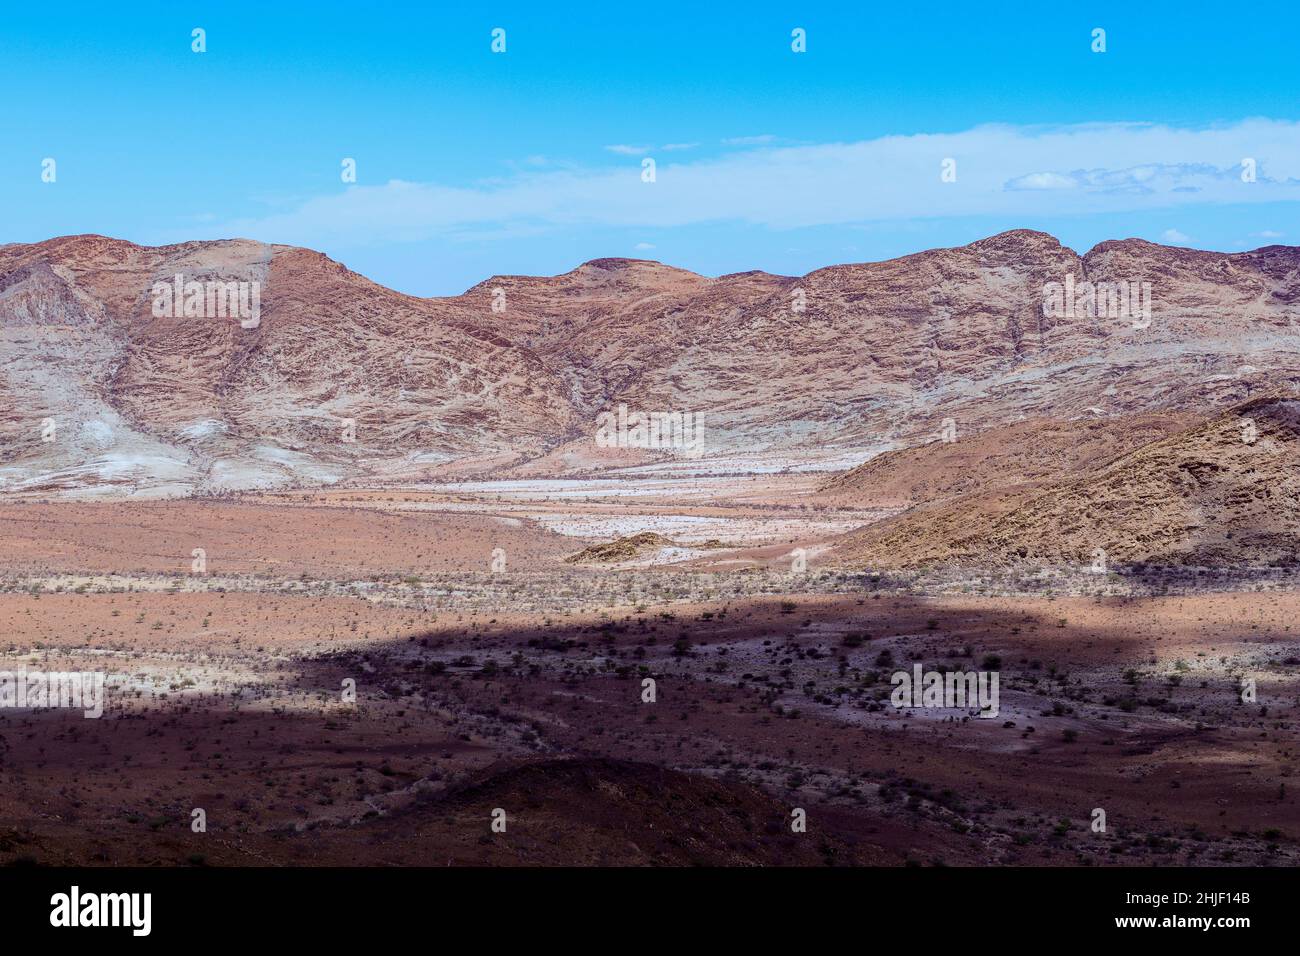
x: 377, y: 648
x: 522, y: 690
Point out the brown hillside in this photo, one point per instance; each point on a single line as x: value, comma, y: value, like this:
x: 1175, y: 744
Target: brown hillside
x: 1204, y: 496
x: 1025, y: 452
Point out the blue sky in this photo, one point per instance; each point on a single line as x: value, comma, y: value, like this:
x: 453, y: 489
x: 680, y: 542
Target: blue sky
x: 471, y: 163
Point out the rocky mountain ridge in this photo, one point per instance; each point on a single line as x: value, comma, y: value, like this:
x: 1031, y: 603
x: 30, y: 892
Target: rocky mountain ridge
x: 343, y: 379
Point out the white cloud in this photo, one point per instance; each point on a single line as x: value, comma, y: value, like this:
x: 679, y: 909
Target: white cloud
x: 1041, y: 181
x: 1002, y: 171
x: 1173, y: 235
x: 761, y: 140
x: 1268, y: 234
x: 644, y: 246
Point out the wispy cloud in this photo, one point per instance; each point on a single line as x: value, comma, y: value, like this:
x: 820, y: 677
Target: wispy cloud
x: 1001, y: 171
x: 1042, y: 181
x: 1144, y: 178
x: 764, y: 139
x: 622, y: 149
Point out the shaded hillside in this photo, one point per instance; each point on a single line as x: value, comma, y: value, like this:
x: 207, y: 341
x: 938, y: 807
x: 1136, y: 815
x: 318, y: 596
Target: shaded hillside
x: 602, y: 811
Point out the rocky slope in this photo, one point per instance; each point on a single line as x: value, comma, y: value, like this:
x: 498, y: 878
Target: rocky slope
x: 1026, y: 452
x: 342, y: 378
x: 1224, y: 493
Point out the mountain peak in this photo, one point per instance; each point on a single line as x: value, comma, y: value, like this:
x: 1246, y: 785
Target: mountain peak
x: 1018, y: 238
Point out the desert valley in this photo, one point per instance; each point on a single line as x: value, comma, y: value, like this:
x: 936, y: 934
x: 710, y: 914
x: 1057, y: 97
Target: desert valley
x: 369, y: 583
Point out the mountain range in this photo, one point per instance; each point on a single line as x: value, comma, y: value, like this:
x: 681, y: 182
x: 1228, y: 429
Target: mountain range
x: 342, y: 379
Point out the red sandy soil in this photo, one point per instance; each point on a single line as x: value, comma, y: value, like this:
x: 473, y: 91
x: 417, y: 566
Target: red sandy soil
x: 332, y: 542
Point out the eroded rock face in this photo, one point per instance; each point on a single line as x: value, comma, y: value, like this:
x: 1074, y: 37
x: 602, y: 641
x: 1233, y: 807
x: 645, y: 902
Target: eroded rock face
x: 341, y: 377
